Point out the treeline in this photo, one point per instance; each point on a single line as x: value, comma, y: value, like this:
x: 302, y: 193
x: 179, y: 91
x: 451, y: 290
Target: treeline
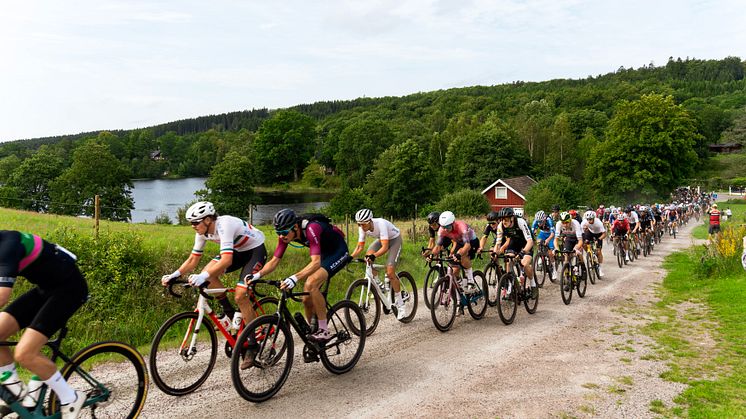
x: 630, y: 134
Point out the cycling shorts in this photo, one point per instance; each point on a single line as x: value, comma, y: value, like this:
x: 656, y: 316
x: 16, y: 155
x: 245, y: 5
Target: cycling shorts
x: 48, y: 309
x: 394, y: 250
x: 474, y: 243
x: 249, y: 261
x: 570, y: 243
x: 543, y: 235
x: 333, y: 261
x: 588, y: 236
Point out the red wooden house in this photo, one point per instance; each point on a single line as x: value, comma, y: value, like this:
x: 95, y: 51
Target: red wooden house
x: 509, y: 193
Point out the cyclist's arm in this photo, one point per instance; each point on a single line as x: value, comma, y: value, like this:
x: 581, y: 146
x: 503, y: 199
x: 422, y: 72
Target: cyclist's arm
x: 5, y: 295
x: 358, y: 249
x: 482, y: 242
x: 189, y: 264
x: 312, y: 267
x: 384, y: 248
x: 270, y: 266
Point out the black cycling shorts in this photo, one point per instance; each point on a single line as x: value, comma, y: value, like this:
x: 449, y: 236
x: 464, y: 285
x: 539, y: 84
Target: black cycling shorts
x: 333, y: 262
x: 570, y: 243
x: 588, y: 236
x: 474, y: 243
x: 250, y: 262
x: 48, y: 309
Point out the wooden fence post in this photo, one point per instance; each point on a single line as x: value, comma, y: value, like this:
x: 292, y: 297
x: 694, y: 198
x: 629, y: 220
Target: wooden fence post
x: 96, y: 213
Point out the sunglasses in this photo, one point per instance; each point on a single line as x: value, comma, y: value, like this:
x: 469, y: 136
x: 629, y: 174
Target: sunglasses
x: 283, y: 232
x: 492, y: 223
x: 196, y: 223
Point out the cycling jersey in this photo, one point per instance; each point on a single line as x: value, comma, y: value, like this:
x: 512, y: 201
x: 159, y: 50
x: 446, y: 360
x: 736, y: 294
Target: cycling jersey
x: 518, y: 234
x: 322, y: 239
x: 633, y: 218
x: 459, y: 233
x: 233, y: 234
x: 620, y: 227
x: 596, y: 227
x: 544, y: 227
x: 382, y: 229
x: 571, y: 231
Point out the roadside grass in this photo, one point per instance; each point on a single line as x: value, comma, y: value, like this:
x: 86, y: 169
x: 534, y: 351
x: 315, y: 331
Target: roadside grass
x: 701, y: 333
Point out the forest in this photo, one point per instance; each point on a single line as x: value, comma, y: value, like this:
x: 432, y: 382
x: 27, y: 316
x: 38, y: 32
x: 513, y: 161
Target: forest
x: 632, y: 134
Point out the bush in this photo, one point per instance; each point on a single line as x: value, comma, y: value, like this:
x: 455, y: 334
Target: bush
x: 464, y: 203
x: 722, y: 254
x: 163, y: 218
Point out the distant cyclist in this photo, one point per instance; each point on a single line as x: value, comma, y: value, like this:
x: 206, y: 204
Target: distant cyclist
x: 545, y: 227
x: 465, y: 245
x: 388, y: 240
x: 514, y: 235
x: 594, y: 230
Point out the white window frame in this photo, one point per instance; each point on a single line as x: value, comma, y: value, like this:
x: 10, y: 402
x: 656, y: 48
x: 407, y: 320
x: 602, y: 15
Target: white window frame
x: 504, y: 189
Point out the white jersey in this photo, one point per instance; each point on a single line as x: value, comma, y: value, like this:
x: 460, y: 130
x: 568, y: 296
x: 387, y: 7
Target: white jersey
x: 233, y: 234
x: 596, y: 228
x: 572, y: 229
x: 633, y: 217
x: 382, y: 229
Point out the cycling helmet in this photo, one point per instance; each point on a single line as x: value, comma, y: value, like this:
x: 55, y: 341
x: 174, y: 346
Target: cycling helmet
x: 446, y: 218
x: 492, y: 216
x: 589, y: 215
x: 565, y: 217
x: 284, y: 219
x: 433, y: 217
x: 555, y: 207
x: 200, y: 210
x: 363, y: 216
x: 573, y: 213
x: 628, y: 209
x: 505, y: 213
x: 540, y: 216
x: 622, y: 216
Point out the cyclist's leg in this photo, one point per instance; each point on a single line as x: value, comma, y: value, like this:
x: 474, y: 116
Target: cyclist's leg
x: 257, y: 257
x: 315, y: 303
x: 392, y: 260
x: 215, y: 282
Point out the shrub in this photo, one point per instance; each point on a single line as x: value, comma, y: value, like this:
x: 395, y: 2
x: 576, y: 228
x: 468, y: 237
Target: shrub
x: 347, y: 202
x: 163, y: 218
x: 723, y: 253
x: 464, y: 203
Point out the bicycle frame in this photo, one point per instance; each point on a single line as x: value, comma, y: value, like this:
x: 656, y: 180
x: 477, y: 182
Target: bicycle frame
x: 385, y: 296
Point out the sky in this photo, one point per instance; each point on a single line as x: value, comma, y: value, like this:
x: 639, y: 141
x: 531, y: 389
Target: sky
x: 75, y: 66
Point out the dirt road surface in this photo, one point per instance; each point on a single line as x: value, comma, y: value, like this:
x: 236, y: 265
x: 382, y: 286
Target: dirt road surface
x: 585, y: 359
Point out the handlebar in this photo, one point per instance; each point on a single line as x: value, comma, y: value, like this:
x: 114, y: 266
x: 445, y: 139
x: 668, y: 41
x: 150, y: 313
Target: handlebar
x: 277, y: 284
x: 361, y: 260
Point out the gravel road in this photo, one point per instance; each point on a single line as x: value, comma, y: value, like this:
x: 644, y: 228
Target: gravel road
x: 583, y: 360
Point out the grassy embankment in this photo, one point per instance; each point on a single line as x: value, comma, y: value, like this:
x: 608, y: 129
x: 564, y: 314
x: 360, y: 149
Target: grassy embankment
x: 125, y: 265
x: 701, y: 332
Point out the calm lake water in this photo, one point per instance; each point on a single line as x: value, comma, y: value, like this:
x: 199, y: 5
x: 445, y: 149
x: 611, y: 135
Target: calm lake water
x: 153, y: 197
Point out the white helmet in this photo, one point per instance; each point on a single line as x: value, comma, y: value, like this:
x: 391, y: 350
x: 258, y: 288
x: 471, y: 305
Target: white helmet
x: 200, y: 210
x: 363, y: 216
x: 589, y: 215
x: 446, y: 218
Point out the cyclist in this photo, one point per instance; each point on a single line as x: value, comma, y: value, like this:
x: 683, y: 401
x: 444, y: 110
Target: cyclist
x: 673, y: 216
x: 388, y: 239
x: 545, y: 227
x: 432, y: 229
x: 465, y: 248
x: 241, y: 247
x: 555, y: 215
x: 489, y: 229
x: 329, y: 255
x: 59, y: 291
x: 594, y: 229
x: 619, y: 229
x: 570, y: 231
x: 518, y: 239
x: 647, y: 221
x: 634, y: 223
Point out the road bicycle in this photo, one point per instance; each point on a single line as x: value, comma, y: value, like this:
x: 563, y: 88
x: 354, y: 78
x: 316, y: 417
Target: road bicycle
x: 514, y: 289
x: 273, y: 357
x: 112, y: 375
x: 647, y: 242
x: 372, y: 295
x: 543, y: 266
x: 572, y: 276
x: 591, y: 260
x: 448, y: 295
x: 185, y: 348
x: 492, y: 273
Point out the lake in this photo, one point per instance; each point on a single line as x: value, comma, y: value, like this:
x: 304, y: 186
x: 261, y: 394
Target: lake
x: 155, y: 196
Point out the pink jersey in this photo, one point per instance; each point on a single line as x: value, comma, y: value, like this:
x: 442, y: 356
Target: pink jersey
x: 460, y: 233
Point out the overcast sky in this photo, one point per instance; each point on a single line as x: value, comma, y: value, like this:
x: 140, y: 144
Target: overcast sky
x: 73, y: 66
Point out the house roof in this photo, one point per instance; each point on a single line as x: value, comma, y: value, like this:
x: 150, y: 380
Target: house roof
x: 519, y: 185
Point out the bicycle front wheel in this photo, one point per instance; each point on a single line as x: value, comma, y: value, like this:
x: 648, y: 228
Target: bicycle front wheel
x: 491, y: 275
x: 566, y: 283
x: 443, y: 304
x: 529, y: 301
x: 619, y: 250
x: 369, y: 302
x: 113, y: 376
x: 591, y: 272
x: 427, y: 287
x: 541, y: 269
x: 507, y: 304
x: 181, y: 359
x: 582, y: 281
x: 273, y: 358
x: 408, y: 295
x: 478, y: 299
x: 343, y: 350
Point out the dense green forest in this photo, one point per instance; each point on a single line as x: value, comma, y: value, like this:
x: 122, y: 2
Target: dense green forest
x: 631, y: 134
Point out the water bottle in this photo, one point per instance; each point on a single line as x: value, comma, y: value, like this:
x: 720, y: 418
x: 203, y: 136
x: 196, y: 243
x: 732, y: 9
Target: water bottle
x: 225, y: 321
x: 302, y: 324
x: 386, y: 285
x: 34, y: 387
x: 17, y: 387
x: 237, y: 319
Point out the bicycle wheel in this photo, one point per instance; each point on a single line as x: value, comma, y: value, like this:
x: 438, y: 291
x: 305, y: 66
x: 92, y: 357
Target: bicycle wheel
x: 566, y: 285
x: 477, y: 305
x: 408, y: 295
x: 343, y: 350
x: 177, y: 366
x: 369, y: 302
x: 591, y: 272
x: 529, y: 301
x: 508, y: 301
x: 491, y: 276
x: 113, y: 376
x: 427, y: 287
x: 619, y: 254
x: 267, y: 305
x: 272, y: 361
x: 581, y: 283
x: 443, y: 308
x: 541, y: 269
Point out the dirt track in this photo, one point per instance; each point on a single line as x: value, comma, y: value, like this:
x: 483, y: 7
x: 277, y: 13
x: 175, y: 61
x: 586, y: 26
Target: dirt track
x: 582, y: 360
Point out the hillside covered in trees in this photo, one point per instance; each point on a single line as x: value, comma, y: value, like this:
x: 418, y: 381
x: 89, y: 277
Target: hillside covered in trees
x: 630, y: 134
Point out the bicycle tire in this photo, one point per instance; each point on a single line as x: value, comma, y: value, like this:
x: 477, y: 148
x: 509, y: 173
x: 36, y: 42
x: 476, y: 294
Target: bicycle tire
x: 529, y: 302
x: 272, y: 365
x: 540, y: 265
x: 356, y: 293
x: 267, y: 305
x: 619, y: 250
x: 433, y: 274
x: 343, y: 342
x: 406, y: 282
x: 581, y: 284
x: 170, y: 364
x: 508, y: 301
x: 443, y: 307
x: 591, y: 272
x: 89, y: 372
x: 477, y: 305
x: 491, y: 276
x: 566, y: 285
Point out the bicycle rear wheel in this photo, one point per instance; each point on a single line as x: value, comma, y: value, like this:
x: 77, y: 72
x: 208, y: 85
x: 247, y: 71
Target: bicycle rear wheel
x: 272, y: 360
x: 409, y: 296
x: 113, y: 376
x: 443, y: 308
x: 343, y: 350
x: 478, y: 300
x: 566, y: 284
x: 541, y: 269
x: 427, y: 287
x: 491, y: 275
x: 369, y: 302
x: 508, y: 301
x: 177, y: 366
x: 591, y: 272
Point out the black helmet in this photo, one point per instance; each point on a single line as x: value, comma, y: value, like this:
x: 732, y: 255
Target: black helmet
x: 628, y: 209
x: 492, y: 216
x: 555, y: 207
x: 284, y: 219
x: 505, y: 212
x: 433, y: 217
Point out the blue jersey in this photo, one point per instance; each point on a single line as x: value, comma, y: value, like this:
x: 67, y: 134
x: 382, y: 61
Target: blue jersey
x: 544, y: 227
